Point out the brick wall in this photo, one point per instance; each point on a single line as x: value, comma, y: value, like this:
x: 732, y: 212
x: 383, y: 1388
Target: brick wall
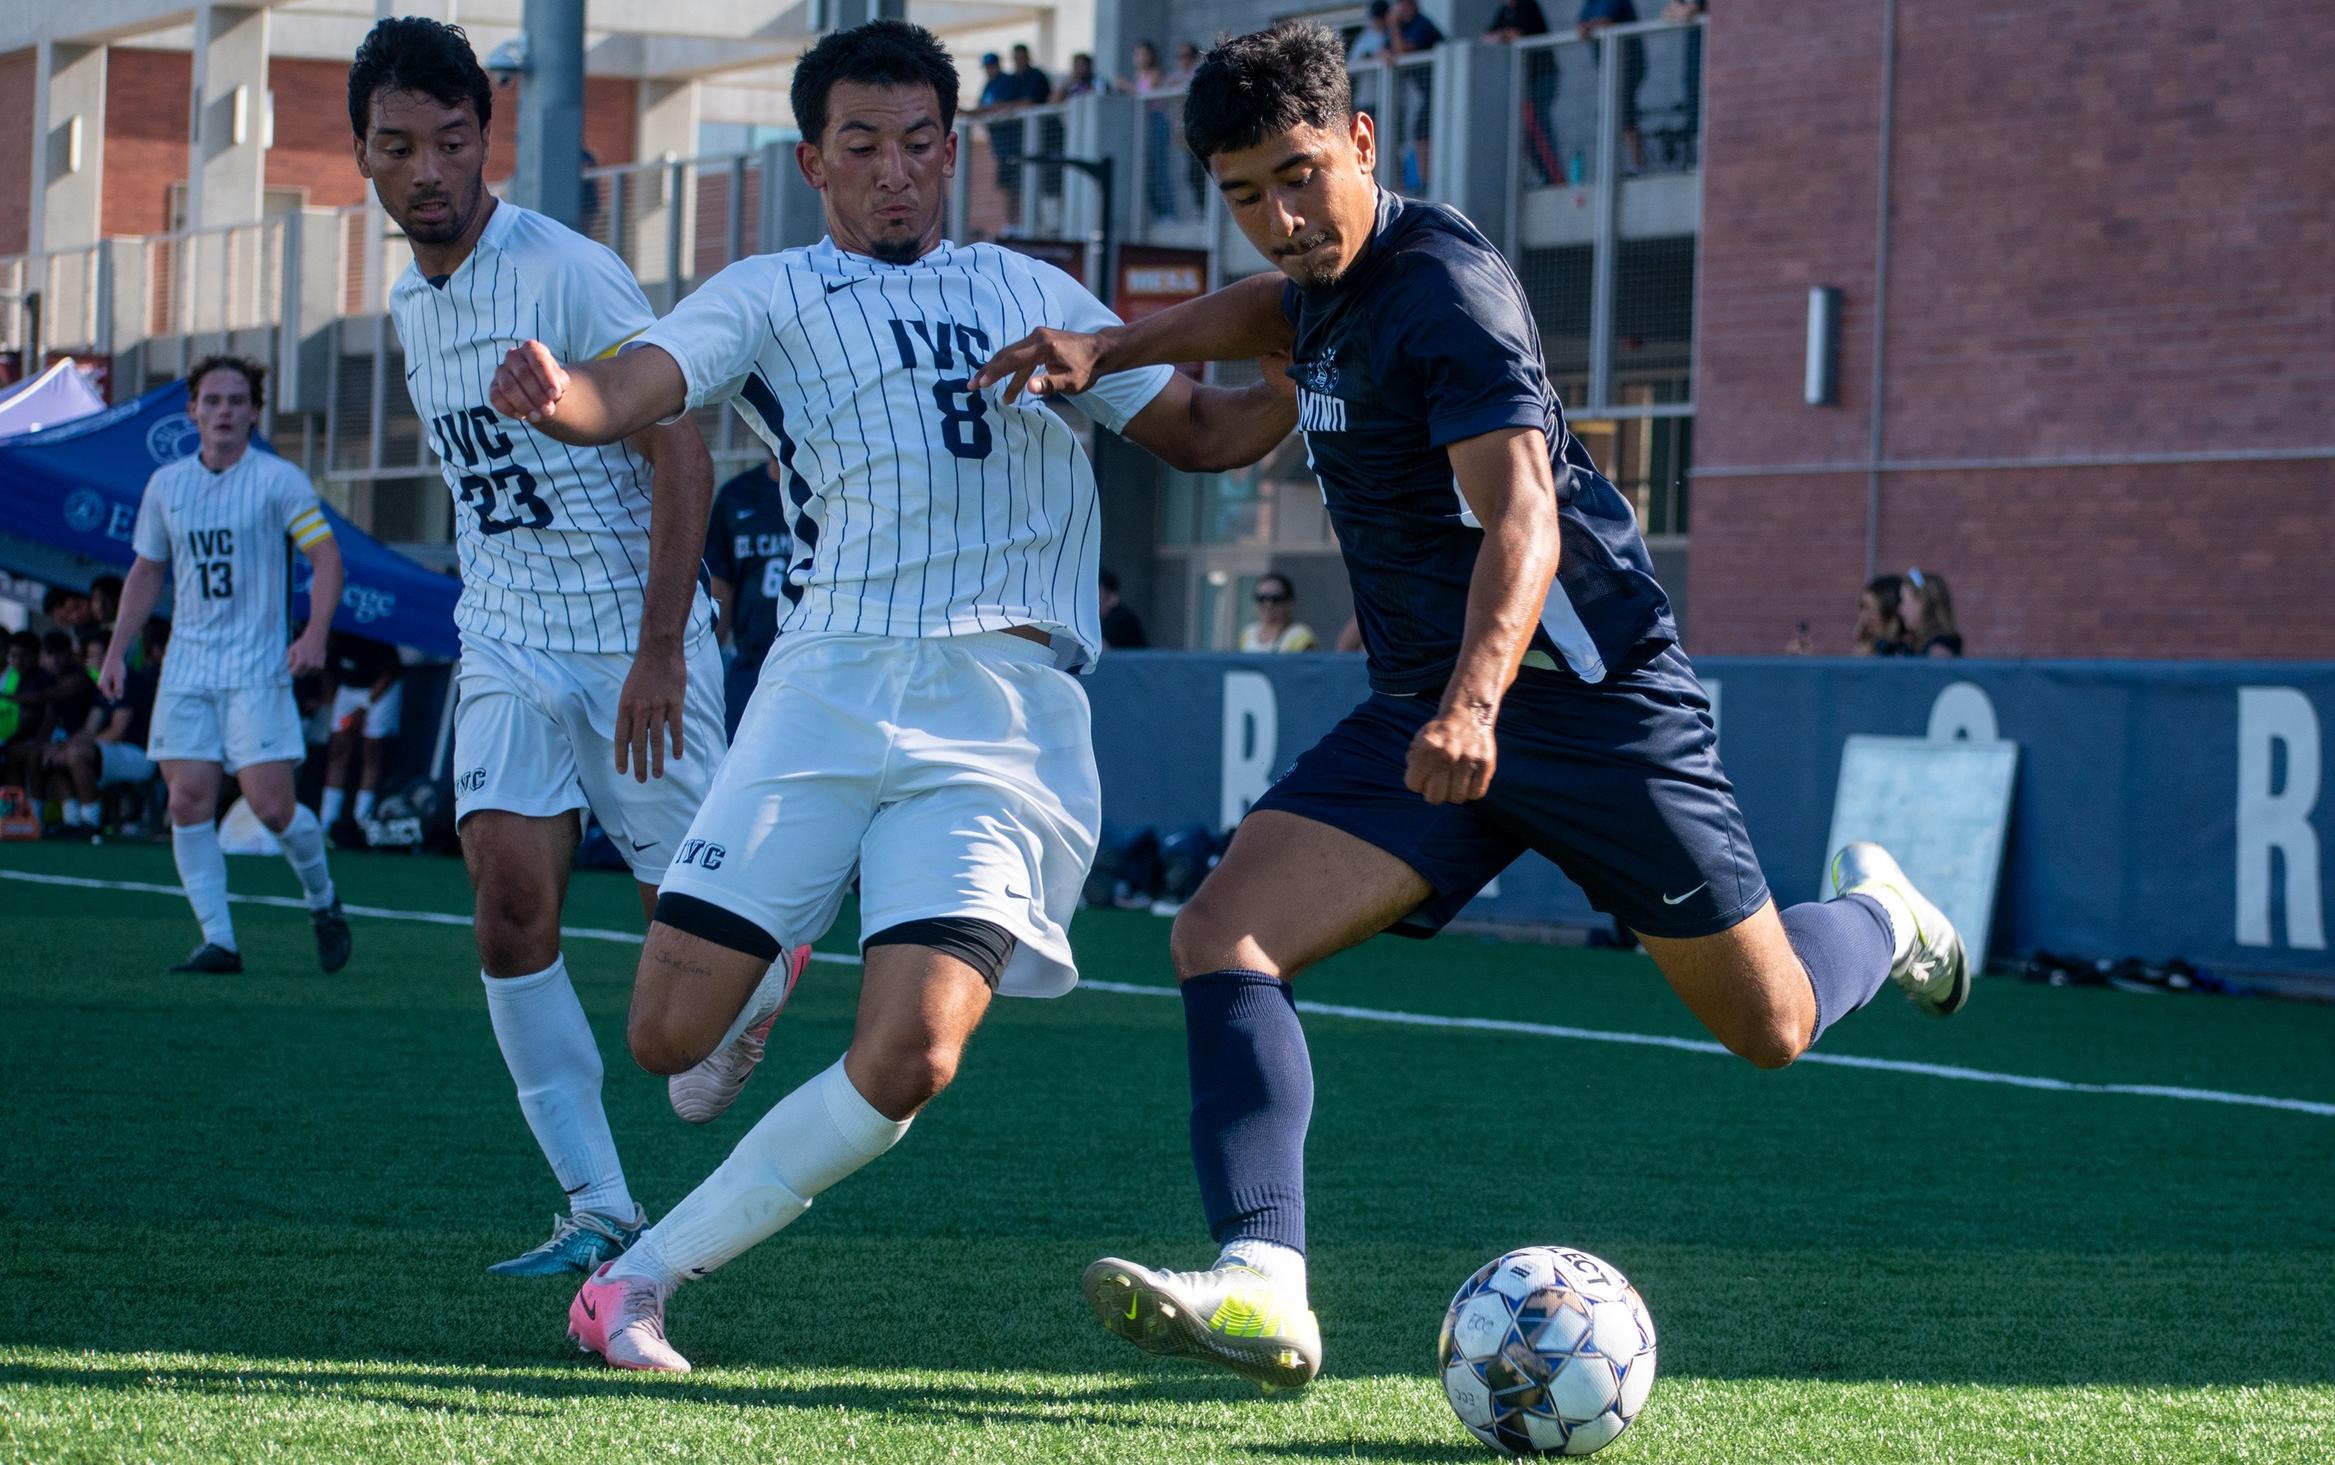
x: 146, y: 109
x: 2107, y: 239
x: 18, y: 71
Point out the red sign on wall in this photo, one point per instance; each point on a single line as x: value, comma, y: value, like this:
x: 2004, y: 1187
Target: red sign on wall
x: 1153, y: 277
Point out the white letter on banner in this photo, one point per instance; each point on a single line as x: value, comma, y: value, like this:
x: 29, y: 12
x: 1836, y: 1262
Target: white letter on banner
x: 2278, y: 819
x: 1963, y: 712
x: 1252, y: 731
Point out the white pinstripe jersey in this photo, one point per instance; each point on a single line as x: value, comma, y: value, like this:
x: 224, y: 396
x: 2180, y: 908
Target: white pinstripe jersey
x: 224, y: 536
x: 553, y: 541
x: 917, y: 508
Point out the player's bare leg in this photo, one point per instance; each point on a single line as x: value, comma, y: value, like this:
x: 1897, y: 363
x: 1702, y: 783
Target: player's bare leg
x: 918, y: 1007
x: 267, y: 787
x: 1289, y: 892
x: 519, y: 868
x: 702, y: 1014
x: 1746, y: 985
x: 202, y: 867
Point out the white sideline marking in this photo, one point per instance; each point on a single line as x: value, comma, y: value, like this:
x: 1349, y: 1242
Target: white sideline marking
x: 1359, y: 1014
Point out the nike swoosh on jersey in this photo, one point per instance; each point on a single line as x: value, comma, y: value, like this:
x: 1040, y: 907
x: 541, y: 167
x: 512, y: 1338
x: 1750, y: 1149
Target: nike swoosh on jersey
x: 844, y: 284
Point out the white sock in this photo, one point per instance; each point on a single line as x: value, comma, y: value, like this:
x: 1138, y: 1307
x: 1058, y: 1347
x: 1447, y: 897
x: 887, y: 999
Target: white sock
x: 1901, y: 921
x: 329, y: 809
x: 364, y: 804
x: 1278, y: 1264
x: 818, y: 1134
x: 202, y: 869
x: 303, y: 842
x: 547, y: 1044
x: 73, y: 816
x: 92, y: 813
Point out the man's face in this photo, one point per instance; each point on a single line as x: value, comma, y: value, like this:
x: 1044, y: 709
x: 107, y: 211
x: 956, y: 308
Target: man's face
x: 72, y: 614
x: 222, y: 409
x: 884, y: 166
x: 1021, y: 58
x: 1405, y: 11
x: 21, y: 657
x: 56, y: 663
x: 427, y: 162
x: 1305, y: 198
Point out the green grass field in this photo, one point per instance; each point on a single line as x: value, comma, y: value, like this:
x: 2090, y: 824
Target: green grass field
x: 245, y: 1218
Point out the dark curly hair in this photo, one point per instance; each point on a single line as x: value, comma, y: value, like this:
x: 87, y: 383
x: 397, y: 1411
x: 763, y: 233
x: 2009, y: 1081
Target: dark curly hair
x: 413, y: 53
x: 254, y: 375
x: 1254, y: 86
x: 880, y: 53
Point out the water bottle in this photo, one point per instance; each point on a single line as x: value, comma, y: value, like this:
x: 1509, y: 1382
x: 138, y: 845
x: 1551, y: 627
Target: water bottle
x: 1576, y: 168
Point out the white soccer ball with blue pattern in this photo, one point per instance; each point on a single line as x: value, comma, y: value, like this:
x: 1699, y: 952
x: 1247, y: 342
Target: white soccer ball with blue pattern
x: 1547, y: 1351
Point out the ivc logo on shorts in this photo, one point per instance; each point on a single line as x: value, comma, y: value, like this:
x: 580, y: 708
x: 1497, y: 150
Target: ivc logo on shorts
x: 472, y: 781
x: 173, y: 438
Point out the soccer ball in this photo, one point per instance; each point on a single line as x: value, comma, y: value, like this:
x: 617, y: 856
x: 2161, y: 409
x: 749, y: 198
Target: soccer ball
x: 1547, y: 1351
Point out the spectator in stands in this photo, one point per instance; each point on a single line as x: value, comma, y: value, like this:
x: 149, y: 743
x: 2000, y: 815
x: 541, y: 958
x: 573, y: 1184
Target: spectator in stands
x: 109, y: 749
x: 1159, y: 188
x: 1030, y: 84
x: 20, y: 679
x: 1082, y: 80
x: 1598, y: 15
x: 1687, y: 12
x: 69, y: 611
x: 1511, y: 23
x: 364, y: 684
x: 1371, y: 43
x: 1926, y: 607
x: 1880, y: 623
x: 1276, y: 627
x: 29, y: 690
x: 1144, y: 73
x: 1187, y: 62
x: 105, y: 603
x: 1002, y: 95
x: 1122, y: 628
x: 1410, y: 33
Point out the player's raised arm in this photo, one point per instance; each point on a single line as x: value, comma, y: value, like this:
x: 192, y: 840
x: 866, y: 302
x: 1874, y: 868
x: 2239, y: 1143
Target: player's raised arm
x: 1241, y: 320
x: 1204, y: 429
x: 1506, y: 480
x: 591, y: 403
x: 649, y: 709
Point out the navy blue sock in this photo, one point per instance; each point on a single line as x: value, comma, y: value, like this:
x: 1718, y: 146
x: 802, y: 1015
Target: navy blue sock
x: 1846, y: 946
x: 1252, y: 1097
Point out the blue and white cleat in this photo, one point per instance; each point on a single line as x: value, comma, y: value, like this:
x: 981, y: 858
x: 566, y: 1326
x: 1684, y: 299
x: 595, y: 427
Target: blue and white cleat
x: 1928, y: 960
x: 1231, y: 1317
x: 579, y: 1243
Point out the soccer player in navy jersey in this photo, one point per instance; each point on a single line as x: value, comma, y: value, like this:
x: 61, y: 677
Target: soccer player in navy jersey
x: 1527, y: 689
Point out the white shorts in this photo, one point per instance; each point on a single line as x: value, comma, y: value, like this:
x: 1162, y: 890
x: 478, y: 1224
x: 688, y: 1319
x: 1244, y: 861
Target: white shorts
x: 381, y: 719
x: 234, y: 727
x: 535, y: 734
x: 957, y: 774
x: 119, y: 763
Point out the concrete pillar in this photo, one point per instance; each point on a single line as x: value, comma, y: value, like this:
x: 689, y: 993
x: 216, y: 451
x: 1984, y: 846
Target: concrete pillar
x: 227, y: 135
x: 1474, y: 131
x: 665, y: 128
x: 551, y: 112
x: 793, y: 213
x: 68, y: 128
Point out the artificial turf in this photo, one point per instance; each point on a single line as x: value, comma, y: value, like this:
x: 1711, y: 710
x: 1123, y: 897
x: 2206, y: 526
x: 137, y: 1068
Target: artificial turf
x: 246, y: 1218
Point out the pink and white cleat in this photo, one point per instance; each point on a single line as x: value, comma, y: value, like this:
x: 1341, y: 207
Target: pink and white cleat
x: 623, y: 1320
x: 704, y: 1093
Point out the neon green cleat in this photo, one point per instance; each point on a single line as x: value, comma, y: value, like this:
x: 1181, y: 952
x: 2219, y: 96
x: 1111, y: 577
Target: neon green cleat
x: 1231, y: 1317
x: 1929, y: 962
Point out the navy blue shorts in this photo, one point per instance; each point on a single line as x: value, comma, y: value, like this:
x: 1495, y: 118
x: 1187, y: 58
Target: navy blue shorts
x: 1618, y: 783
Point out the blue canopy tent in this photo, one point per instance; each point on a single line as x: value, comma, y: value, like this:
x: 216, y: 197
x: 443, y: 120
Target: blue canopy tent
x: 69, y: 496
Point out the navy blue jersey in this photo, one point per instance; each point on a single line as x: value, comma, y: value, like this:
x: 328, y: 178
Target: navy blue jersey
x: 1427, y: 341
x: 747, y: 544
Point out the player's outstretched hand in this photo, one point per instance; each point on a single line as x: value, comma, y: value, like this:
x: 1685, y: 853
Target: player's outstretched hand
x: 1452, y: 758
x: 528, y: 385
x: 648, y: 713
x: 1048, y: 362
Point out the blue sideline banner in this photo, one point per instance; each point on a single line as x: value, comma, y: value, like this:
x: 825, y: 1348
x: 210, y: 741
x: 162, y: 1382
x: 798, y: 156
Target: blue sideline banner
x: 2161, y: 810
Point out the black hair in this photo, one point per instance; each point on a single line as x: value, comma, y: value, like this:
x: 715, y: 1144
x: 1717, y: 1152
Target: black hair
x: 413, y: 53
x: 57, y: 643
x: 1288, y: 586
x: 880, y: 53
x: 106, y: 584
x: 254, y: 375
x: 1251, y: 87
x: 1108, y: 579
x: 25, y: 641
x: 57, y: 596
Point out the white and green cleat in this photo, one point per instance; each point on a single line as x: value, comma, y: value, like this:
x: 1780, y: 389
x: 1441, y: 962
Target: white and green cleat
x: 1928, y: 960
x: 1232, y: 1317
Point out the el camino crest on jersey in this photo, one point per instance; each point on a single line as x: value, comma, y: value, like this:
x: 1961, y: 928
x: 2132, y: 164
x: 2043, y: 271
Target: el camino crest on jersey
x: 1319, y: 408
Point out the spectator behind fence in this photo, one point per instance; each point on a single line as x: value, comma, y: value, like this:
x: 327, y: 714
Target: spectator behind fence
x: 1926, y: 607
x: 1880, y: 622
x: 1187, y: 62
x: 1122, y: 628
x: 1515, y: 21
x: 364, y: 682
x: 1002, y: 94
x: 1082, y: 80
x: 107, y: 751
x: 1030, y: 84
x: 1276, y: 627
x: 1159, y: 189
x: 1687, y: 12
x: 1371, y: 43
x: 1410, y: 33
x: 1598, y: 15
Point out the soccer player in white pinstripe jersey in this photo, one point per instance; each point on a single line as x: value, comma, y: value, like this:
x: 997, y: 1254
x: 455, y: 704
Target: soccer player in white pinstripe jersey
x: 589, y: 675
x: 916, y: 718
x: 217, y: 521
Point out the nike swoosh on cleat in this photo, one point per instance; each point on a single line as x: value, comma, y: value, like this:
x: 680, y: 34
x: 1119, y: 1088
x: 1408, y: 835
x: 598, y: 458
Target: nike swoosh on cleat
x: 1132, y: 1303
x: 589, y: 1310
x: 1677, y: 899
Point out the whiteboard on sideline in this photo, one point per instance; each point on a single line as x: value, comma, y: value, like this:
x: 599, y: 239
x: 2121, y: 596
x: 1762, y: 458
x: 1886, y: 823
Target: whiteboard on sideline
x: 1943, y: 809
